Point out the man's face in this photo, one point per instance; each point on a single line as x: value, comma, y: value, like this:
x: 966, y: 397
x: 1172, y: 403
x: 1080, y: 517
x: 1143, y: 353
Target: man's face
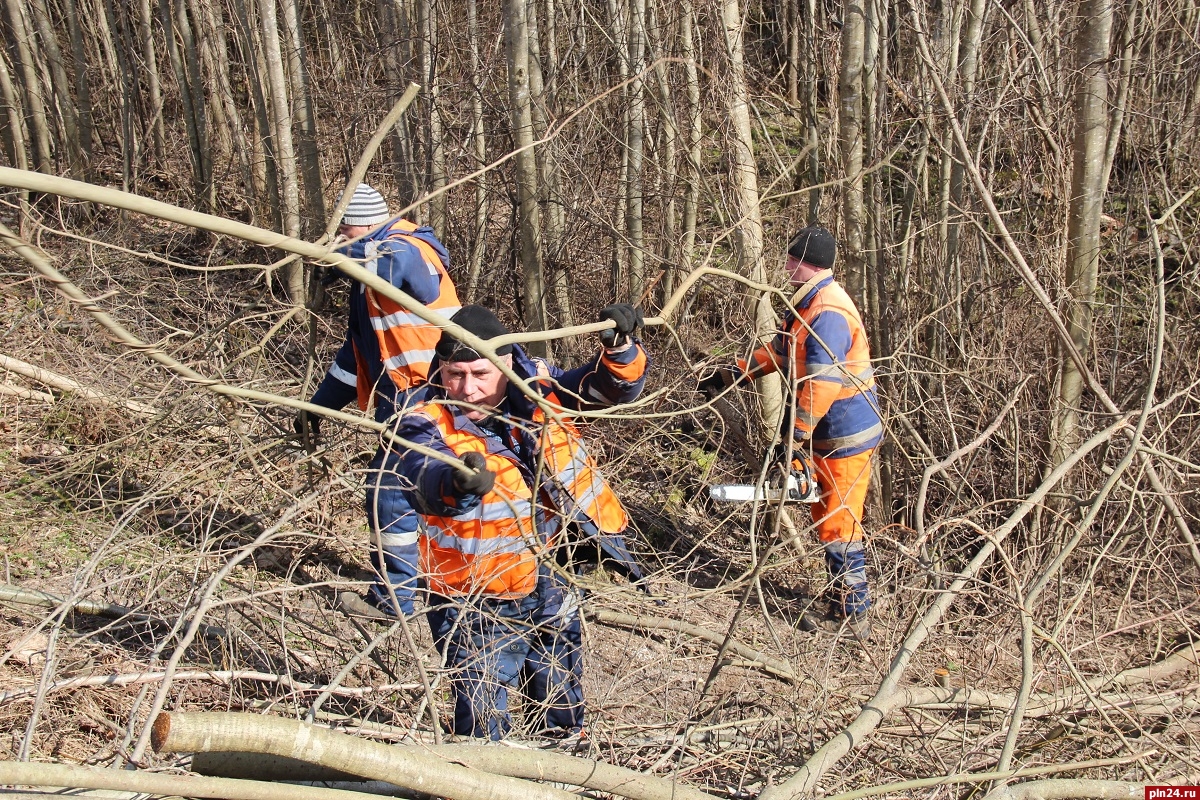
x: 478, y: 382
x: 352, y: 231
x: 799, y: 271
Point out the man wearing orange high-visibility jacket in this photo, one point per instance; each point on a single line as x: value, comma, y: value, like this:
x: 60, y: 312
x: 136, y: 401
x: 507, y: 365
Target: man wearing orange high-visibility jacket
x: 383, y: 359
x: 498, y: 545
x: 822, y: 350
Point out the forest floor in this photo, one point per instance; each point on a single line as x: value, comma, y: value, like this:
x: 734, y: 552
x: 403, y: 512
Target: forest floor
x: 140, y: 495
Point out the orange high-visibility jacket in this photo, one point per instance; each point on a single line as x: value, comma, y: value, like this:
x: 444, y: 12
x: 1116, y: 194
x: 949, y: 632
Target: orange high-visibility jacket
x: 545, y: 480
x: 824, y: 350
x: 405, y: 340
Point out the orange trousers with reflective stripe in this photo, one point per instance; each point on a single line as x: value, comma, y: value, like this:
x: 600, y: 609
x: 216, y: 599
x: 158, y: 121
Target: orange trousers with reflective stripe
x: 844, y: 481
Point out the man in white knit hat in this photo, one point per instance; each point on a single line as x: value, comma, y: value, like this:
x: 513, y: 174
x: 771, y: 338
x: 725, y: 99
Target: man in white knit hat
x: 385, y: 356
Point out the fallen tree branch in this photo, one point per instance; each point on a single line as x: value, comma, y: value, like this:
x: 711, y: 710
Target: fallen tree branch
x: 407, y: 767
x: 15, y: 595
x: 983, y: 777
x: 514, y: 762
x: 65, y: 384
x: 1046, y: 704
x: 888, y: 697
x: 220, y: 676
x: 29, y: 774
x: 772, y: 666
x: 1062, y: 788
x: 25, y: 394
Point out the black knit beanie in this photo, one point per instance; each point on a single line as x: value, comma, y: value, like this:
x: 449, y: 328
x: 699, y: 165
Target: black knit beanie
x: 479, y: 321
x: 814, y: 245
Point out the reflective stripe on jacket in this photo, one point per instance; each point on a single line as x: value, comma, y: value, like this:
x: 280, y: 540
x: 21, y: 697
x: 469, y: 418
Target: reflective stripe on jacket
x: 491, y: 549
x: 405, y: 340
x: 825, y: 349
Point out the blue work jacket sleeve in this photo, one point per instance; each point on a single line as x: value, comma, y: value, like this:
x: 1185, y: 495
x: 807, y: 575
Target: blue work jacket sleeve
x: 399, y: 263
x: 340, y: 385
x: 608, y: 379
x: 429, y: 484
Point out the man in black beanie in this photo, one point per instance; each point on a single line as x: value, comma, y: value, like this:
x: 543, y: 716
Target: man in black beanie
x: 508, y: 511
x: 833, y: 420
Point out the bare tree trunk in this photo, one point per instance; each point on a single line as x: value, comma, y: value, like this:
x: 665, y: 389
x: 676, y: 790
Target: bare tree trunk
x: 850, y: 139
x: 691, y: 179
x: 214, y: 32
x: 61, y: 87
x: 528, y: 217
x: 281, y: 126
x: 1117, y: 115
x: 153, y: 82
x: 192, y: 110
x: 479, y: 142
x: 635, y: 127
x: 263, y: 143
x: 745, y: 185
x: 816, y: 174
x: 1087, y: 203
x: 669, y: 137
x: 83, y: 86
x: 14, y: 141
x: 31, y: 85
x: 313, y: 199
x: 128, y: 139
x: 967, y: 71
x: 550, y: 197
x: 435, y: 150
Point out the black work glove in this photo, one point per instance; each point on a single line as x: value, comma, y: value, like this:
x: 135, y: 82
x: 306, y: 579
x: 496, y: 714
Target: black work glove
x: 314, y: 426
x: 716, y: 381
x: 628, y: 319
x: 481, y: 481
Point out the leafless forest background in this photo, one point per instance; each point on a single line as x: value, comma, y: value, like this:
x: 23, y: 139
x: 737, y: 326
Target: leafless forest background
x: 1013, y: 184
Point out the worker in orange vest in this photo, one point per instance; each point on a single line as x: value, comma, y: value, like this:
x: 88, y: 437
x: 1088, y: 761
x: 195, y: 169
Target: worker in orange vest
x: 384, y: 358
x: 833, y: 419
x: 501, y: 539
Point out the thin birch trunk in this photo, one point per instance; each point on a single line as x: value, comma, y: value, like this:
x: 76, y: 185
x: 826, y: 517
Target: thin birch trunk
x: 816, y: 175
x: 528, y: 218
x: 83, y: 84
x: 313, y: 199
x: 195, y: 142
x: 479, y: 143
x: 242, y: 149
x: 31, y: 86
x: 635, y: 143
x: 15, y: 139
x: 667, y: 160
x: 1117, y: 115
x: 60, y: 86
x: 195, y: 85
x: 691, y: 177
x: 850, y: 139
x: 435, y: 150
x: 151, y: 77
x: 1087, y: 204
x: 749, y: 214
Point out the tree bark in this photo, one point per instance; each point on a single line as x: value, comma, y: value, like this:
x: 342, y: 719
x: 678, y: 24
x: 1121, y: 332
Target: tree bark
x: 31, y: 86
x: 479, y: 145
x: 635, y: 127
x: 749, y: 223
x: 281, y: 126
x: 528, y: 217
x: 850, y: 140
x: 1086, y: 206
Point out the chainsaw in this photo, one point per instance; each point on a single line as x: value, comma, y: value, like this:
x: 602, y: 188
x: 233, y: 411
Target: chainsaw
x: 797, y: 486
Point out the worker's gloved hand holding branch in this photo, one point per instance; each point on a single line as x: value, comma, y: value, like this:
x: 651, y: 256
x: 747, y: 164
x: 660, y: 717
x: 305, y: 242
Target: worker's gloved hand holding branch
x: 627, y: 318
x: 717, y: 380
x: 481, y: 481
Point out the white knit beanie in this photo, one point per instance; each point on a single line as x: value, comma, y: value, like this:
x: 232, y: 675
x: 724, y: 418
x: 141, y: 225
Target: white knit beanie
x: 367, y: 207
